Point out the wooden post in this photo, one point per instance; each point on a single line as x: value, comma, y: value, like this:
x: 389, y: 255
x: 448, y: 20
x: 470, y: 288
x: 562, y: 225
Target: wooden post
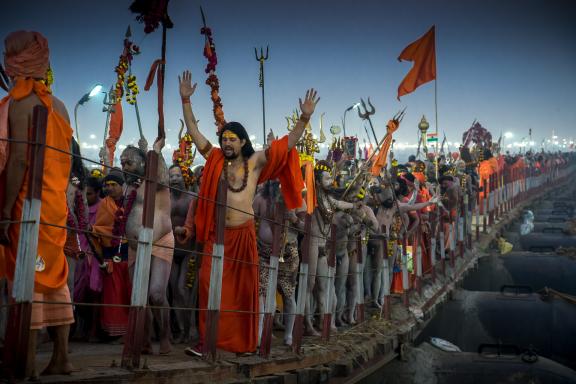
x: 491, y: 200
x: 327, y: 316
x: 361, y: 248
x: 405, y: 276
x: 302, y: 287
x: 387, y: 244
x: 418, y: 250
x: 485, y: 207
x: 477, y: 214
x: 216, y: 271
x: 452, y: 243
x: 19, y: 315
x: 270, y: 306
x: 442, y: 237
x: 432, y: 253
x: 137, y: 321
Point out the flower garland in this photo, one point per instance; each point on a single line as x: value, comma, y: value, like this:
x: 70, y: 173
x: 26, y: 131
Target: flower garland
x: 127, y: 84
x: 212, y: 80
x: 121, y: 217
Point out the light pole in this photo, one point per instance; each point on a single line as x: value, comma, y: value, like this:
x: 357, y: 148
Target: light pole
x: 87, y: 96
x: 344, y: 118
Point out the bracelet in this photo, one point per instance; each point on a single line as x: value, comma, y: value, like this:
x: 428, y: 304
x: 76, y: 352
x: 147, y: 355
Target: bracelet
x: 185, y: 100
x: 305, y: 119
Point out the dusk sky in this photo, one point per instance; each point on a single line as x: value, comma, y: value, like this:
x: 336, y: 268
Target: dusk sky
x: 508, y: 64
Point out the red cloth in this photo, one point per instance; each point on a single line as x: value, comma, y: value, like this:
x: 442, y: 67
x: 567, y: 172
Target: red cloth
x: 282, y: 164
x: 116, y: 125
x: 423, y: 53
x: 116, y: 289
x: 238, y: 329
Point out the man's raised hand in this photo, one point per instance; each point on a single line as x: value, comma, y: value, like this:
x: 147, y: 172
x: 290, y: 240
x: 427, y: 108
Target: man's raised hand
x: 186, y: 87
x: 307, y: 107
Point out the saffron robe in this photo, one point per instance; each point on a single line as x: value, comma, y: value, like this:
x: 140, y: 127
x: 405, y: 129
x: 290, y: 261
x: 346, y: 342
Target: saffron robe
x: 238, y: 321
x: 56, y: 171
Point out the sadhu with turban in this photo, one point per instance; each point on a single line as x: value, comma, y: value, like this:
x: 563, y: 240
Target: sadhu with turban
x: 26, y: 63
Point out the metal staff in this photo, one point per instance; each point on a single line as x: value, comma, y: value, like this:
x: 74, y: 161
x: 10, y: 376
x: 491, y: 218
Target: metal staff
x: 398, y: 119
x: 366, y: 115
x: 143, y: 140
x: 109, y: 103
x: 261, y: 59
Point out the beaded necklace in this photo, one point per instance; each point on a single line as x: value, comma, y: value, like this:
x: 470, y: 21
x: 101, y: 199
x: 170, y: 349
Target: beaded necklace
x: 244, y: 179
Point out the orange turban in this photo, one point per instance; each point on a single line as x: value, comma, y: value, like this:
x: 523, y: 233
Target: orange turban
x: 26, y: 54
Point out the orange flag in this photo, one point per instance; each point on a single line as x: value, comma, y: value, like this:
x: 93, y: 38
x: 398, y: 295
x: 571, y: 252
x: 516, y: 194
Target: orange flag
x: 115, y: 130
x: 382, y: 157
x: 423, y: 53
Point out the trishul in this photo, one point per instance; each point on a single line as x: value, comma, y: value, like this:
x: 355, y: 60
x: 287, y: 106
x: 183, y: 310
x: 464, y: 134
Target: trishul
x: 261, y: 59
x: 366, y: 115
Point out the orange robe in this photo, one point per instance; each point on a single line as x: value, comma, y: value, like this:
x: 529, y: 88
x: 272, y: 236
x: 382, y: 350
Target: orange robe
x: 55, y: 176
x: 116, y: 282
x: 238, y: 321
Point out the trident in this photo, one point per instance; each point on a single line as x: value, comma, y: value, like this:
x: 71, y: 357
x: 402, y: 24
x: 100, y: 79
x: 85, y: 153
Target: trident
x: 261, y: 59
x: 366, y: 115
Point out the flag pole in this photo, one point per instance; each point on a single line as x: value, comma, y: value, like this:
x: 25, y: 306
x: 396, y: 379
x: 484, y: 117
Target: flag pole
x: 436, y: 102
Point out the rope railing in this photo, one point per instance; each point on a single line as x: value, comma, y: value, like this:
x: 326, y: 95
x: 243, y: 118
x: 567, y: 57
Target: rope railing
x: 501, y: 193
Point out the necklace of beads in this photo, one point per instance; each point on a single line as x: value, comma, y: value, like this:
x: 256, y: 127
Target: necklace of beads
x: 244, y: 179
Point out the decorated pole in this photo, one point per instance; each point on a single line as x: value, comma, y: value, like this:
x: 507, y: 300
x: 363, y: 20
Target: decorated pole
x: 261, y: 59
x: 153, y: 13
x: 212, y: 80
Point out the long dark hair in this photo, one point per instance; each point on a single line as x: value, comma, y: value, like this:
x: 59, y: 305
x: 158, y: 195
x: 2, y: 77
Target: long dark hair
x: 240, y: 131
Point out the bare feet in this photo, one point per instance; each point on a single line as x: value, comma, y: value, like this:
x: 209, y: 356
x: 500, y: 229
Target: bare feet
x: 310, y: 331
x: 59, y: 368
x: 165, y: 347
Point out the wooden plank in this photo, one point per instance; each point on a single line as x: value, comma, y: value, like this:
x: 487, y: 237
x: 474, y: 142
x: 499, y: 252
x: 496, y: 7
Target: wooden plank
x: 270, y: 306
x: 136, y: 335
x: 298, y: 332
x: 216, y: 271
x: 19, y: 315
x: 327, y: 316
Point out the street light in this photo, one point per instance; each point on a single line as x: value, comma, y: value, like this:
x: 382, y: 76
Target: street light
x: 344, y: 118
x: 507, y: 135
x: 87, y: 96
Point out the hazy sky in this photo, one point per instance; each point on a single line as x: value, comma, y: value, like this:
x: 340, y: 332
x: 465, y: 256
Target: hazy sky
x: 508, y: 63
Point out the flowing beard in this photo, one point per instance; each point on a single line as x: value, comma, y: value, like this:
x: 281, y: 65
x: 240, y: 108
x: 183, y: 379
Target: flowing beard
x: 233, y: 156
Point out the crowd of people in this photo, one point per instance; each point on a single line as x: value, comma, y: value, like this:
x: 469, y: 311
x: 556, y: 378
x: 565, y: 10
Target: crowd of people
x: 332, y: 220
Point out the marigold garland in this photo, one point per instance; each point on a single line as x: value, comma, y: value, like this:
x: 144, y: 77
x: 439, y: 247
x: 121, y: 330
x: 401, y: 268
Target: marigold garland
x: 126, y: 84
x: 184, y: 158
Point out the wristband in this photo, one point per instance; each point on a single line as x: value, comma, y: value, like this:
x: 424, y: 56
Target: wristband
x: 305, y: 119
x: 185, y: 100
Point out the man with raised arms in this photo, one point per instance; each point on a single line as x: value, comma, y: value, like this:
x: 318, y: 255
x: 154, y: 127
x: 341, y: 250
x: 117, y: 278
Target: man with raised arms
x: 243, y: 169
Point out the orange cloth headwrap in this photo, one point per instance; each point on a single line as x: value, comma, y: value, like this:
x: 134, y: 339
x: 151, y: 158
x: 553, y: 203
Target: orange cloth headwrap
x: 26, y: 55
